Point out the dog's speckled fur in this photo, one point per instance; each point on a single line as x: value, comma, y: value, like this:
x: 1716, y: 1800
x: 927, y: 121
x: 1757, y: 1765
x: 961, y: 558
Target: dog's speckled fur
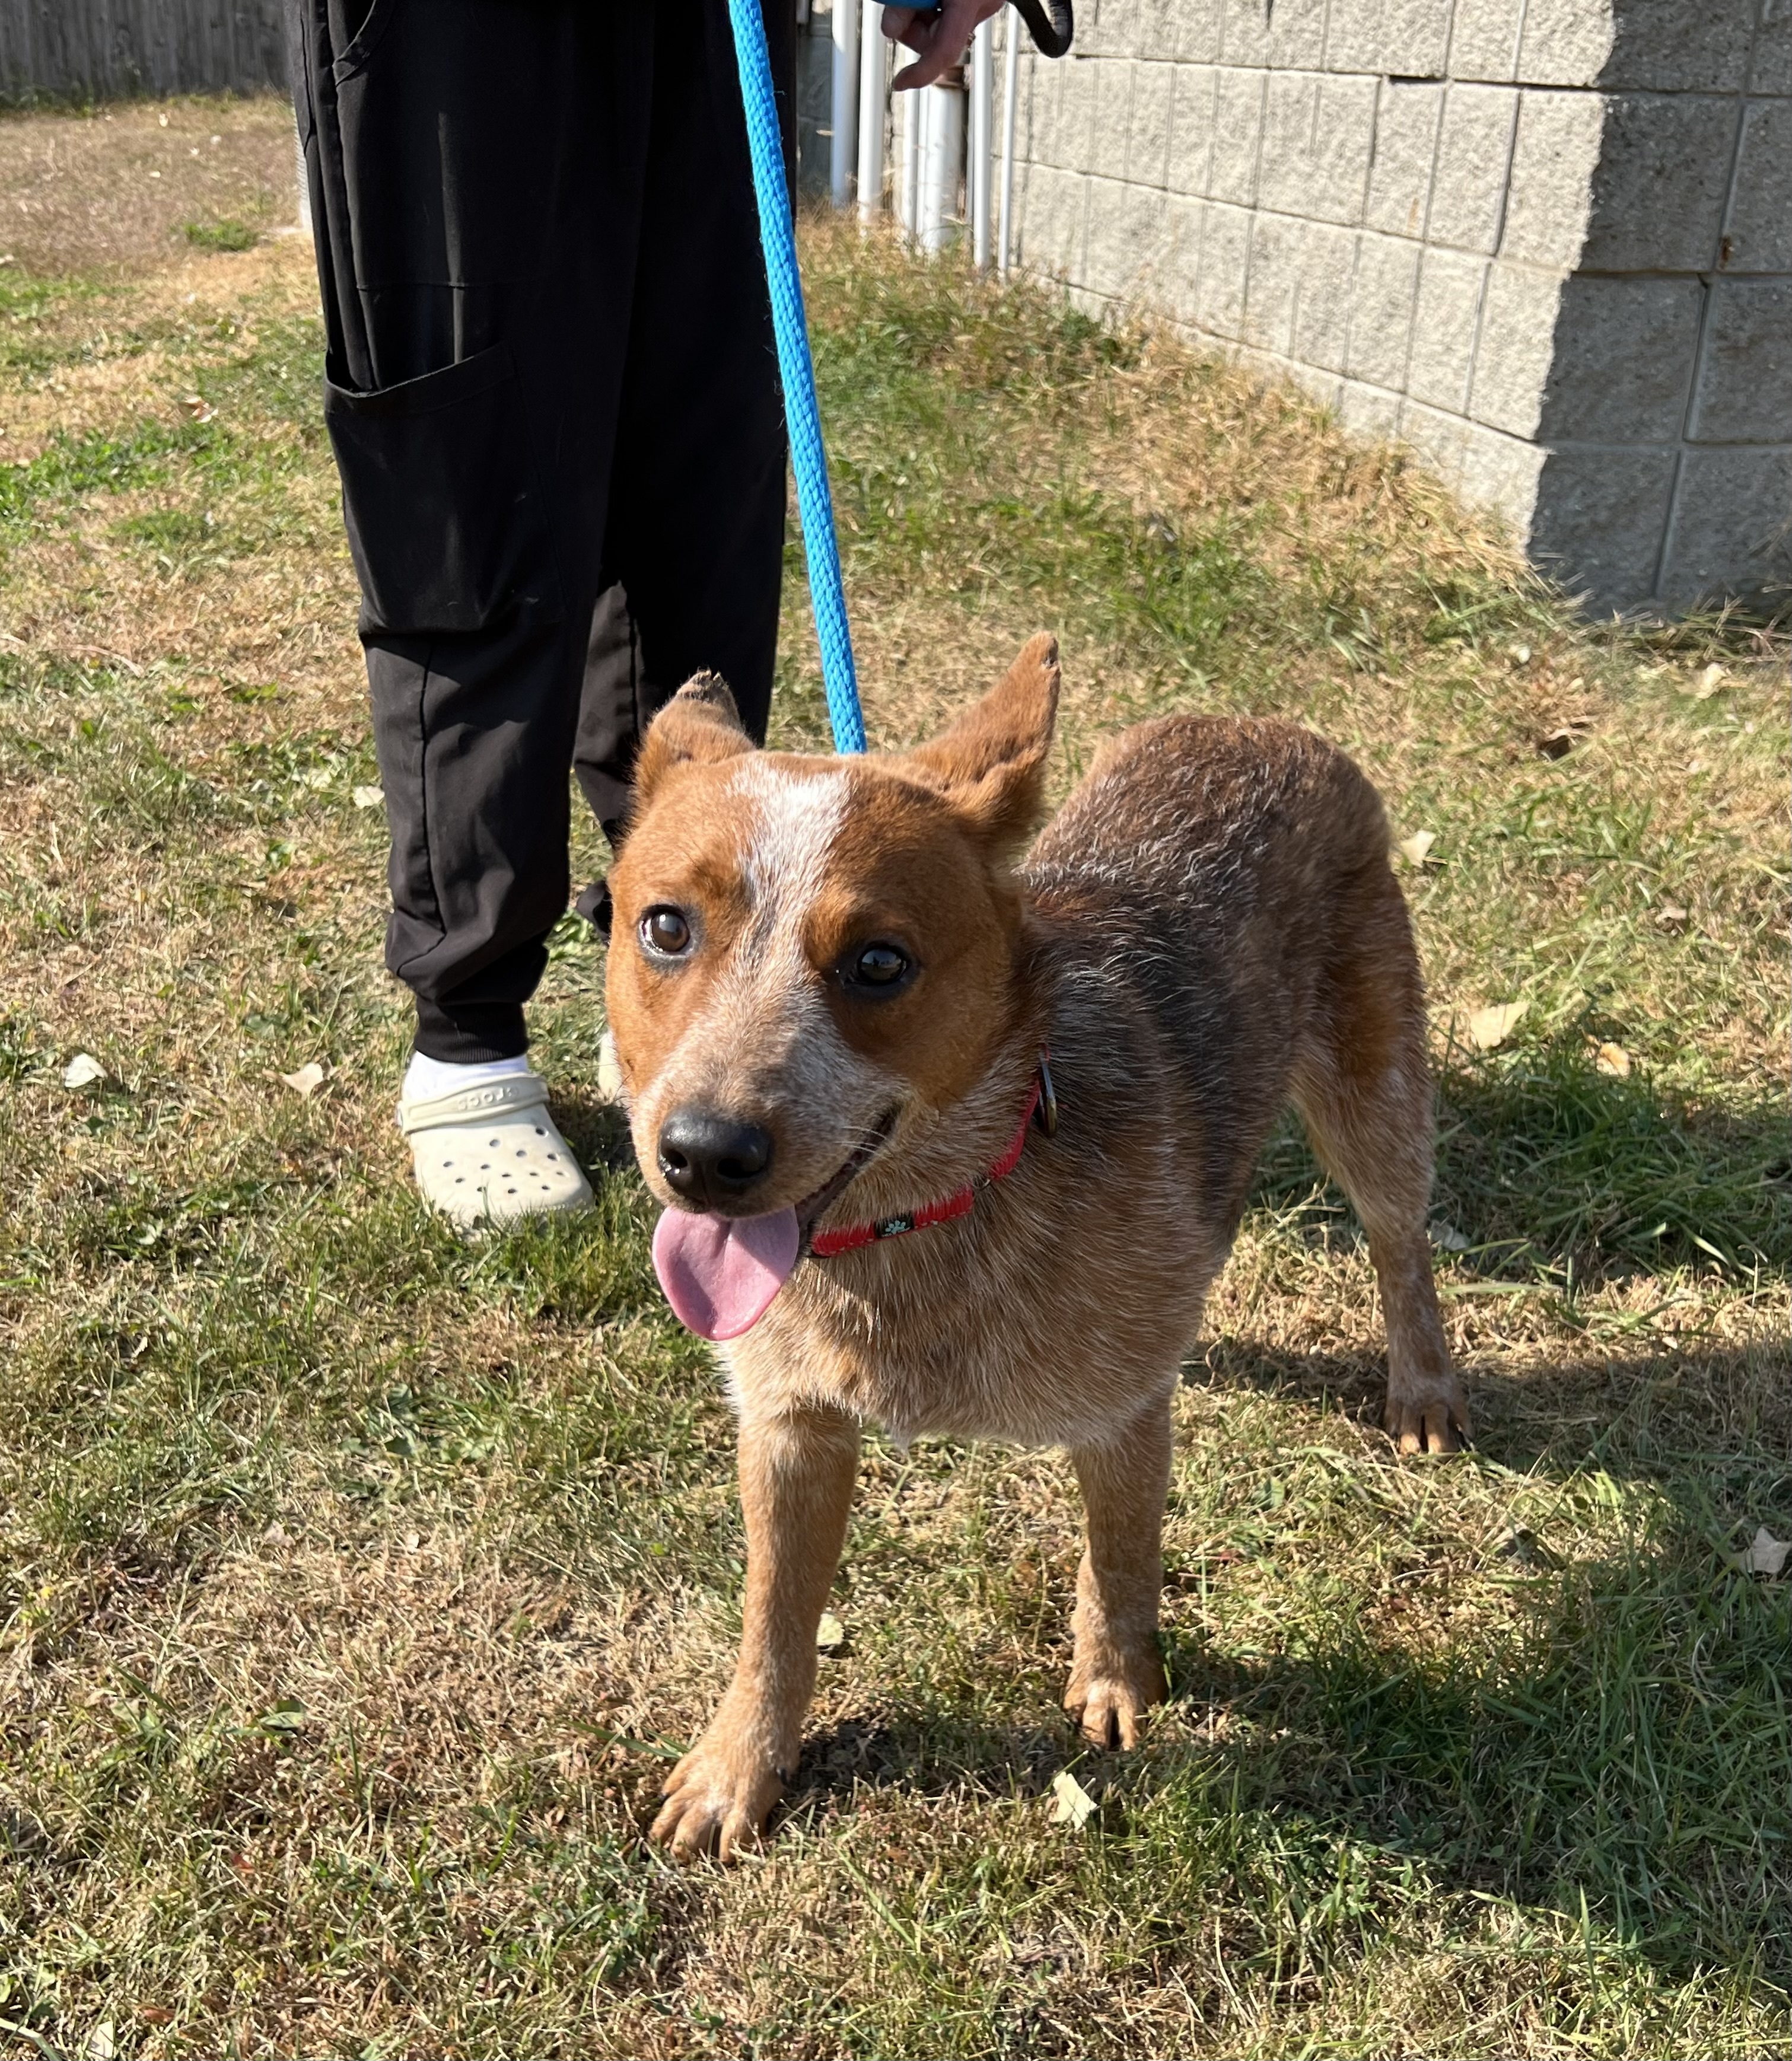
x: 1208, y: 929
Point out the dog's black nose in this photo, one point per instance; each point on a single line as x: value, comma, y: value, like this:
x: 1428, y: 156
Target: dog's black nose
x: 713, y: 1160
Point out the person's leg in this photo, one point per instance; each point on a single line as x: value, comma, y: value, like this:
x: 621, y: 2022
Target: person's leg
x: 476, y: 171
x: 695, y: 527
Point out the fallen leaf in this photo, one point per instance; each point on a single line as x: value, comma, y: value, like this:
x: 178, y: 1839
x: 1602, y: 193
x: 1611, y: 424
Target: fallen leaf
x: 195, y: 404
x: 412, y: 1541
x: 1490, y: 1027
x: 1670, y: 916
x: 307, y: 1080
x: 1558, y: 743
x: 829, y: 1634
x: 1521, y: 654
x: 100, y: 2042
x: 1767, y: 1554
x: 1613, y: 1059
x: 1074, y: 1806
x: 1414, y: 848
x: 82, y: 1070
x: 1709, y: 683
x: 366, y: 798
x: 275, y: 1534
x: 1447, y: 1238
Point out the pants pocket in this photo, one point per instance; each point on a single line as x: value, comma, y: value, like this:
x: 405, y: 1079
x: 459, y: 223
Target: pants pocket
x: 446, y: 523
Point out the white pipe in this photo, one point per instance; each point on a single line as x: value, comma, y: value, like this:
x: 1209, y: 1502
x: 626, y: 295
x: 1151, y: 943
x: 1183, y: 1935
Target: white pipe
x: 942, y: 158
x: 845, y: 112
x: 870, y: 109
x: 1010, y: 93
x: 914, y: 111
x: 980, y: 165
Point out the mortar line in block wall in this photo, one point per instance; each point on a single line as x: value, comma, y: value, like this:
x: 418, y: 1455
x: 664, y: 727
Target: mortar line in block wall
x: 1707, y: 282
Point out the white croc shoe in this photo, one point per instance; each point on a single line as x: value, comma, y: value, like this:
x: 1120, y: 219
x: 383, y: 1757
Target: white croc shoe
x: 489, y: 1154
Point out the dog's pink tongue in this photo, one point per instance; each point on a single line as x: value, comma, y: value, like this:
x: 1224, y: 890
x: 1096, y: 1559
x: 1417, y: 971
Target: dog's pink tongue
x: 720, y: 1273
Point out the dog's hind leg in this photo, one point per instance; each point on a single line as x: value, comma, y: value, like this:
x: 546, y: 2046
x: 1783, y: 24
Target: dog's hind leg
x: 1364, y: 1090
x: 1116, y: 1671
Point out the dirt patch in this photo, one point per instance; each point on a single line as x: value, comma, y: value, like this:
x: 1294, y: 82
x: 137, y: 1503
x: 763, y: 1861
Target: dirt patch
x: 116, y: 188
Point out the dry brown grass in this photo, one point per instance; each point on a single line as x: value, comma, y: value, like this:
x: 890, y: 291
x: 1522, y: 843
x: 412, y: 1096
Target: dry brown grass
x: 112, y: 191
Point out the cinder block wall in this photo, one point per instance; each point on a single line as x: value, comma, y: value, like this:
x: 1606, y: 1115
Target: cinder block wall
x: 1546, y: 242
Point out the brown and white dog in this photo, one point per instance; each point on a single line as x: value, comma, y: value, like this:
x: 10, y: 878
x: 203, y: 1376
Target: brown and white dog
x: 839, y: 1006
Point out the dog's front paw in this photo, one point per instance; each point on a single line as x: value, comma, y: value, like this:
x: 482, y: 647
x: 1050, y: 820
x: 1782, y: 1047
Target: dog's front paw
x: 1429, y: 1416
x: 1110, y: 1692
x: 719, y: 1796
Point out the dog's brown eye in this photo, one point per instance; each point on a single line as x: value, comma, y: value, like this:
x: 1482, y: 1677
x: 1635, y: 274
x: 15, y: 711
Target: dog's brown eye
x: 878, y: 965
x: 665, y: 931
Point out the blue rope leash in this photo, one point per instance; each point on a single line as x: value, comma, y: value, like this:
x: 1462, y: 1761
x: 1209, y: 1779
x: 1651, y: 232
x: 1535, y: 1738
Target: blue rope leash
x: 777, y: 234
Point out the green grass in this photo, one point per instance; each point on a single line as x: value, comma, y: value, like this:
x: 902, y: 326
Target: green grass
x: 222, y: 235
x: 355, y: 1584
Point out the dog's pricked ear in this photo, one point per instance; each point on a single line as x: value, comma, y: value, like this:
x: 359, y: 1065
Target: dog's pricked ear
x: 700, y: 723
x: 990, y: 764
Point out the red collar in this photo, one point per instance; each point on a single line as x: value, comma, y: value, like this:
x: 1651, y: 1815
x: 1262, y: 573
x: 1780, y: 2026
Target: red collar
x: 1042, y: 1103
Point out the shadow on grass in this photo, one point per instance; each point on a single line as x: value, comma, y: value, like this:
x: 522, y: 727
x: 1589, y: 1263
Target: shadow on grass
x: 1547, y: 1165
x: 1608, y: 1739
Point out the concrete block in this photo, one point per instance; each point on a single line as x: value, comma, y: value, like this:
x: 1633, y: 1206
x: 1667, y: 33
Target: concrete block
x: 1322, y: 304
x: 1126, y: 239
x: 1036, y: 131
x: 1599, y: 519
x: 1245, y: 31
x: 1517, y: 347
x: 1731, y: 532
x: 1237, y: 132
x: 1484, y: 39
x: 1184, y: 221
x: 1650, y: 45
x: 1197, y: 28
x: 1148, y: 141
x: 1771, y: 70
x: 1664, y: 173
x: 1568, y: 42
x: 1446, y: 312
x: 1368, y: 411
x: 1052, y: 222
x: 1623, y: 364
x: 1191, y: 128
x: 1406, y: 118
x: 1353, y: 36
x: 1468, y: 189
x: 1298, y: 34
x: 1159, y: 22
x: 1500, y: 474
x: 1382, y: 297
x: 1273, y: 282
x: 1440, y: 439
x: 1745, y: 373
x: 1110, y: 117
x: 1109, y: 28
x: 1072, y: 120
x: 1757, y: 233
x: 1317, y: 132
x: 1415, y: 38
x: 1317, y: 385
x: 1554, y: 158
x: 1225, y: 246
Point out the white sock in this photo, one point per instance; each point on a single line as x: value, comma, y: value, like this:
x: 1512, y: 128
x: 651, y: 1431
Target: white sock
x: 425, y: 1078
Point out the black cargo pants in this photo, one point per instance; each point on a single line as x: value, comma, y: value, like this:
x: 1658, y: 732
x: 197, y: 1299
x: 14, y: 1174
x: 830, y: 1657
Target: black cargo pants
x: 553, y: 395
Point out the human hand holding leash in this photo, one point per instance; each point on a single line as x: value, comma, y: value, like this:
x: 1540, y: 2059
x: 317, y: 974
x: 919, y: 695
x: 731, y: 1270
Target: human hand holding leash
x: 938, y: 35
x: 941, y: 31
